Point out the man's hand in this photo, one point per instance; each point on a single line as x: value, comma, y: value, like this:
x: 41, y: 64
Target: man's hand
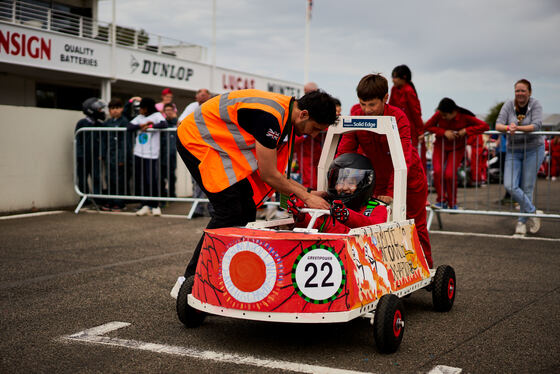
x: 339, y: 211
x: 146, y: 126
x: 316, y: 202
x: 462, y: 132
x: 322, y: 194
x: 386, y: 199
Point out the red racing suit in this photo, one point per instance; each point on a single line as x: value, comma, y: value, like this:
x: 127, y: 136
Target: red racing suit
x: 371, y: 213
x: 376, y: 148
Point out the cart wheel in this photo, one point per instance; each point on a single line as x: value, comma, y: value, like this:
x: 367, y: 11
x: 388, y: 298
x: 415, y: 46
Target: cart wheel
x: 190, y: 316
x: 388, y: 324
x: 444, y: 288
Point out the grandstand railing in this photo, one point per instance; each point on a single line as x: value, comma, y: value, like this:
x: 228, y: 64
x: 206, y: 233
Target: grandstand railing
x: 49, y: 19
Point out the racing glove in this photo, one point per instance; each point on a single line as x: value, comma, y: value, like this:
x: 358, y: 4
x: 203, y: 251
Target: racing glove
x: 339, y: 211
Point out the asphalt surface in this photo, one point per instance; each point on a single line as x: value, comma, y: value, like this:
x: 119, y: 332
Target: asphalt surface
x: 64, y: 273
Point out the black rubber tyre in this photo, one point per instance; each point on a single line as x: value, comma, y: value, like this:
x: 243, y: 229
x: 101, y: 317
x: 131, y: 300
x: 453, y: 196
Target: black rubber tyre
x: 444, y: 288
x: 189, y: 316
x: 388, y: 323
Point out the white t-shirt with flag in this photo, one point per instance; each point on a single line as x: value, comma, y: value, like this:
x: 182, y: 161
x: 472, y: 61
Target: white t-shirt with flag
x: 147, y: 143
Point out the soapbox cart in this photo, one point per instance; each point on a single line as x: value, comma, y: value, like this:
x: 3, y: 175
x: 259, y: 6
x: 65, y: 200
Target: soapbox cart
x: 260, y: 272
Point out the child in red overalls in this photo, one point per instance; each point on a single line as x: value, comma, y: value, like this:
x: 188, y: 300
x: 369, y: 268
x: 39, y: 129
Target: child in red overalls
x: 451, y: 124
x: 351, y: 181
x: 405, y: 97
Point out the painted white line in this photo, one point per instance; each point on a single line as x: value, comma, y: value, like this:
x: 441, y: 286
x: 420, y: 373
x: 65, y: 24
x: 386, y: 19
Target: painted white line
x: 533, y: 238
x: 27, y: 215
x: 442, y: 369
x: 93, y: 335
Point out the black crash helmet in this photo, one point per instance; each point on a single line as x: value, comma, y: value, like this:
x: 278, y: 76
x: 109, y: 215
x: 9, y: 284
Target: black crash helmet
x: 355, y: 178
x: 93, y: 108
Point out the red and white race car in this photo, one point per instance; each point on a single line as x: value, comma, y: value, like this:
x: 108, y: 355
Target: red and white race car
x: 261, y: 272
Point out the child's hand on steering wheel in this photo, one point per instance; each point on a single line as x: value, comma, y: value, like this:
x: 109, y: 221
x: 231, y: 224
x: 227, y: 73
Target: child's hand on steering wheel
x: 339, y: 211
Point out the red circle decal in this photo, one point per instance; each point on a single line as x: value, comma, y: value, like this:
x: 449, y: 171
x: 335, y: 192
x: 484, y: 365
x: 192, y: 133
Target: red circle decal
x: 247, y: 271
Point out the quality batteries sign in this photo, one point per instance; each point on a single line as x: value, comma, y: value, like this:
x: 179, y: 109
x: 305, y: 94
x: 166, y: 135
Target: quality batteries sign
x: 360, y: 123
x: 22, y: 46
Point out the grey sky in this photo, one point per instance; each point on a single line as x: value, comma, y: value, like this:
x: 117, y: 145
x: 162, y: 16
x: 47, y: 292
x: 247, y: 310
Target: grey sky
x: 472, y: 51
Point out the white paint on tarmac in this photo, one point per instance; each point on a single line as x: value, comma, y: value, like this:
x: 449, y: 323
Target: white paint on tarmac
x: 27, y: 215
x: 94, y: 336
x: 494, y: 236
x: 442, y: 369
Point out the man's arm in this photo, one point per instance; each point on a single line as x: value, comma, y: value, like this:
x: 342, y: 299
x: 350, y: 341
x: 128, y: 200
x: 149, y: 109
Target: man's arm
x: 267, y: 161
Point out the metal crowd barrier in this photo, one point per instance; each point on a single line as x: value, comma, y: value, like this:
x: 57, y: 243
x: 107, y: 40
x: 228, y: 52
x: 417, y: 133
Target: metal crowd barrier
x: 479, y: 178
x: 105, y: 168
x: 101, y: 148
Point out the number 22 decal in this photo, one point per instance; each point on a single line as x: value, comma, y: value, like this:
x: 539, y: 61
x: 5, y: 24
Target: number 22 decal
x: 313, y: 267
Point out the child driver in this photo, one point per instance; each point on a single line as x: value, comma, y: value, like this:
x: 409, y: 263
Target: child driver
x: 351, y: 181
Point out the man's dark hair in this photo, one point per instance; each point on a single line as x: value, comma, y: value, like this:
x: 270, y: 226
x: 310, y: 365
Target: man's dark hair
x: 337, y: 102
x: 149, y: 104
x: 372, y: 86
x: 168, y: 105
x: 320, y: 105
x: 115, y: 103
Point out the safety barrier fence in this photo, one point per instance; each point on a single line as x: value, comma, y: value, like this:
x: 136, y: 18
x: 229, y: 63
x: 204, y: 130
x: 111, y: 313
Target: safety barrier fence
x: 477, y: 166
x: 107, y: 172
x: 106, y: 169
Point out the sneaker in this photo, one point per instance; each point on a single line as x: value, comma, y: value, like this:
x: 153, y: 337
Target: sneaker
x: 441, y: 205
x: 106, y: 208
x: 175, y: 290
x: 144, y: 211
x: 156, y: 211
x: 534, y: 223
x: 520, y: 229
x: 117, y: 208
x: 553, y: 179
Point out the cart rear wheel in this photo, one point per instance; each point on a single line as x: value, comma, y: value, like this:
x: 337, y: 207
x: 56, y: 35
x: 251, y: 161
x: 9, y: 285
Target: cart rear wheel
x: 444, y: 288
x: 388, y: 324
x: 188, y: 315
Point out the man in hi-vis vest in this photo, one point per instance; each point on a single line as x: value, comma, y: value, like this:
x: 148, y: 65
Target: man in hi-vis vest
x: 236, y: 146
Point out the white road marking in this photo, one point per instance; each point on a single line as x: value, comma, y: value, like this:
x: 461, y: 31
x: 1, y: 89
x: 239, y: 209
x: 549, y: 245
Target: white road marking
x: 494, y: 236
x: 442, y: 369
x: 94, y: 336
x: 27, y: 215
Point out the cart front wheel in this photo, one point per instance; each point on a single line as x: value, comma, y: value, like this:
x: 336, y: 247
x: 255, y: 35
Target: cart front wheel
x: 444, y: 288
x: 388, y: 324
x: 189, y: 316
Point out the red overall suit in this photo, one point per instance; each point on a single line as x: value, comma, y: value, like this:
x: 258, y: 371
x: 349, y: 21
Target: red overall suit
x: 376, y: 148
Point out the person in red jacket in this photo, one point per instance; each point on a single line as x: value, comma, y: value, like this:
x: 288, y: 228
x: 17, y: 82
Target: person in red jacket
x: 351, y: 180
x: 405, y: 97
x: 450, y: 124
x: 479, y: 160
x: 373, y: 94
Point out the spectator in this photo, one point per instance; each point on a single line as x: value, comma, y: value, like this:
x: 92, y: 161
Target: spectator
x: 405, y: 97
x: 88, y: 148
x: 373, y: 92
x: 310, y: 87
x: 115, y: 148
x: 166, y: 98
x: 146, y: 155
x: 554, y: 152
x: 450, y: 124
x: 351, y: 181
x: 518, y: 118
x: 478, y: 160
x: 202, y: 95
x: 169, y: 153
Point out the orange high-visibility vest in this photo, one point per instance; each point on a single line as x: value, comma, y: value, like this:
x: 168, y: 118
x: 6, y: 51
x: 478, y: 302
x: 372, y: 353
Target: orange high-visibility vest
x: 226, y: 151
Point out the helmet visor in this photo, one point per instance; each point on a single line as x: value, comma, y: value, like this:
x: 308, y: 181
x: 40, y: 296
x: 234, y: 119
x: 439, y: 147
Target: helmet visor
x: 346, y: 181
